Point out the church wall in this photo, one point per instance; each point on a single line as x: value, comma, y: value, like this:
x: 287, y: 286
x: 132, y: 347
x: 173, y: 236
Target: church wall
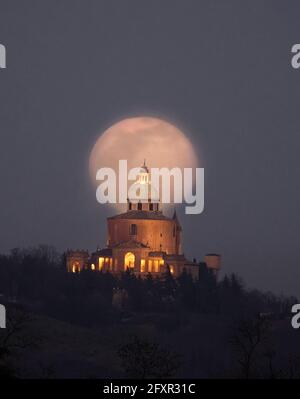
x: 157, y: 234
x: 119, y: 256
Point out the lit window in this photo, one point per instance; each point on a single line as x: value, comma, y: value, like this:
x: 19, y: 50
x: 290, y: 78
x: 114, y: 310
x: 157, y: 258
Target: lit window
x: 110, y: 264
x: 156, y: 266
x: 92, y: 266
x: 129, y: 261
x: 150, y: 266
x: 76, y: 267
x: 101, y: 263
x: 171, y: 269
x: 143, y: 265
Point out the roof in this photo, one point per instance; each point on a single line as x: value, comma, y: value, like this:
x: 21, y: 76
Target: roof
x: 156, y: 253
x: 144, y: 168
x: 174, y: 257
x: 151, y: 215
x: 130, y: 244
x: 105, y: 252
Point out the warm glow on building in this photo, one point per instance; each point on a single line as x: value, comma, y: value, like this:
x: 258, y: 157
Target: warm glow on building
x: 129, y: 261
x: 142, y: 240
x: 101, y: 263
x: 76, y: 267
x: 143, y: 265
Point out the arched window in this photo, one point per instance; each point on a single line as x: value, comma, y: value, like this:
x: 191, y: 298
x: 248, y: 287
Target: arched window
x: 76, y: 267
x: 133, y: 229
x: 129, y: 261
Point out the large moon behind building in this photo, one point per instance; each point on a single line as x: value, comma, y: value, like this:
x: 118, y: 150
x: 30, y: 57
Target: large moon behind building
x: 137, y: 139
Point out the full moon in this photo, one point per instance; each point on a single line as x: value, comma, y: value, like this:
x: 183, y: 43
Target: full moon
x: 154, y: 140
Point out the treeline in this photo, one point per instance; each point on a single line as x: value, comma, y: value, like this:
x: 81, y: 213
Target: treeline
x: 37, y: 277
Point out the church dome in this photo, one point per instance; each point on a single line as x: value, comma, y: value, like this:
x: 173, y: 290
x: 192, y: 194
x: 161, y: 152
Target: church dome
x: 142, y: 190
x: 144, y: 168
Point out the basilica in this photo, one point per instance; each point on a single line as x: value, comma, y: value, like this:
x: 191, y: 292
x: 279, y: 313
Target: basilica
x: 142, y: 240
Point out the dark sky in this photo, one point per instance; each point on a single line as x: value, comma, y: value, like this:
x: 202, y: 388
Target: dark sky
x: 219, y: 68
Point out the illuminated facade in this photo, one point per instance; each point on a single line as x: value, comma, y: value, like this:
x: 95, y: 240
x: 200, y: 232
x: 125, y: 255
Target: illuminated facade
x: 142, y: 240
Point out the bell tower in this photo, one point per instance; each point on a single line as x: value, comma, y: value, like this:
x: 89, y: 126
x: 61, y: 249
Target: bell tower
x: 145, y: 197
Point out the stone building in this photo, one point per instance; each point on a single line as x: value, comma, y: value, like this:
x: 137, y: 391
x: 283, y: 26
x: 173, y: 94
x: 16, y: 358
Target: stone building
x: 77, y: 260
x: 142, y: 240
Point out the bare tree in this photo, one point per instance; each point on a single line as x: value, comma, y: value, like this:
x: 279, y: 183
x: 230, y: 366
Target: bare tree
x: 248, y: 340
x: 142, y: 359
x: 294, y: 366
x: 14, y: 337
